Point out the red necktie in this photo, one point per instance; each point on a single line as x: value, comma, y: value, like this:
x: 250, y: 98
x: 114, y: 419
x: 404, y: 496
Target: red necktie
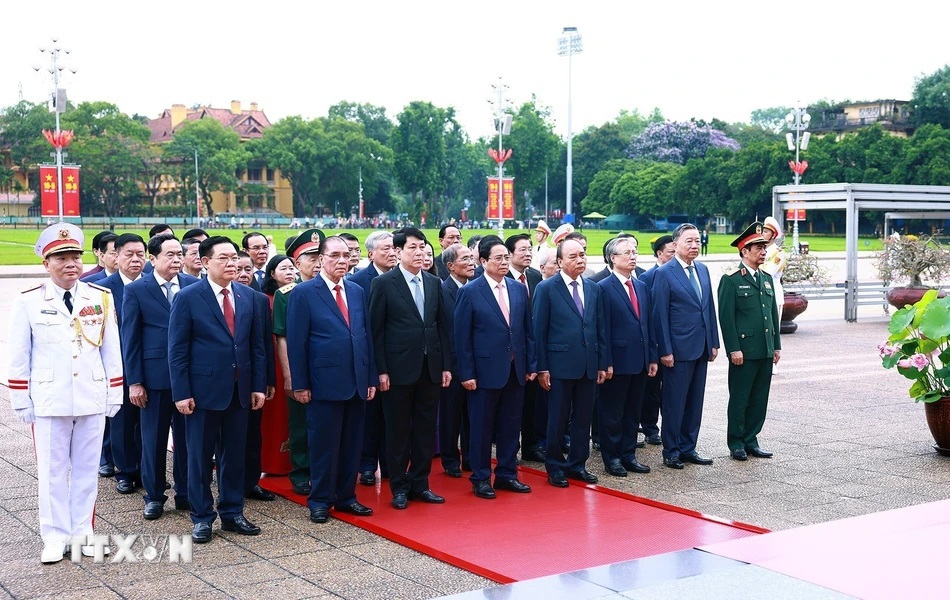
x: 633, y: 298
x: 228, y: 311
x: 525, y: 283
x: 342, y: 304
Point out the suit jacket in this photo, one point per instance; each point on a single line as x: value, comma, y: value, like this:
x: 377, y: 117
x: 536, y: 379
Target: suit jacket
x: 647, y: 277
x: 364, y: 278
x: 748, y: 314
x: 534, y: 278
x: 115, y: 284
x: 450, y: 292
x: 441, y: 267
x: 631, y: 348
x: 402, y: 339
x: 267, y: 328
x: 145, y: 313
x: 485, y: 343
x: 96, y: 277
x: 204, y: 357
x: 330, y: 358
x: 685, y: 326
x: 568, y: 345
x: 600, y: 275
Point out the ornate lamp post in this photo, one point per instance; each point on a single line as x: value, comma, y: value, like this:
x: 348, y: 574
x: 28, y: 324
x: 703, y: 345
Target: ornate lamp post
x: 503, y: 128
x: 59, y: 139
x: 797, y: 121
x: 569, y: 44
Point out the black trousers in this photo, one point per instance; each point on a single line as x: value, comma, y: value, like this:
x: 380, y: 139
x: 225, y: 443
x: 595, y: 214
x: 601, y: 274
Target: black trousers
x: 410, y: 414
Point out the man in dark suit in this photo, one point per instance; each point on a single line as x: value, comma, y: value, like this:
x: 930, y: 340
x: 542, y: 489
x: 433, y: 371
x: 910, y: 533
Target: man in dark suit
x: 109, y: 258
x: 382, y: 258
x: 334, y: 375
x: 217, y: 366
x: 634, y: 360
x: 570, y: 332
x: 95, y: 250
x: 353, y: 244
x: 448, y: 235
x: 663, y: 250
x: 684, y: 316
x: 145, y: 311
x: 255, y: 244
x: 496, y: 356
x: 453, y: 411
x: 534, y: 415
x: 124, y: 432
x: 412, y: 345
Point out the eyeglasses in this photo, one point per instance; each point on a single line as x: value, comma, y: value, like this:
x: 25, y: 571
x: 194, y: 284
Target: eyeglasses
x: 336, y: 256
x: 257, y: 248
x: 467, y: 259
x: 226, y: 260
x: 500, y: 258
x: 626, y: 253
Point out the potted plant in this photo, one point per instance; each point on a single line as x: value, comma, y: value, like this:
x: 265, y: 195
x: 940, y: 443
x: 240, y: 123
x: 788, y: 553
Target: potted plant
x: 919, y: 348
x: 911, y: 258
x: 802, y: 272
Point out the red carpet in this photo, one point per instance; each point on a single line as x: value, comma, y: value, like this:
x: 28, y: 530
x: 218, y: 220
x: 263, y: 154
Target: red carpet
x: 890, y: 554
x: 522, y: 536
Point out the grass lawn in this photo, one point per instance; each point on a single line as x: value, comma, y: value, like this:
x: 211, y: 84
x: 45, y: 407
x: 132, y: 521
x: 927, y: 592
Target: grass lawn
x: 16, y: 245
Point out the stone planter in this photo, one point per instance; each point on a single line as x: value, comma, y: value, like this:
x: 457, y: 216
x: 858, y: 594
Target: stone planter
x: 938, y: 419
x: 795, y: 304
x: 899, y: 297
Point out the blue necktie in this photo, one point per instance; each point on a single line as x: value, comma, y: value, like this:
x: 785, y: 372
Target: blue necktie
x: 417, y: 296
x: 695, y: 282
x: 577, y: 299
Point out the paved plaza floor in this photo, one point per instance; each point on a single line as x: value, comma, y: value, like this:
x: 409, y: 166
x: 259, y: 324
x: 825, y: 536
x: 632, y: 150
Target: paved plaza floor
x: 847, y: 440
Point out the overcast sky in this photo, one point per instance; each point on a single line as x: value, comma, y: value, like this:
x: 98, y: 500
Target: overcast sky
x: 690, y: 59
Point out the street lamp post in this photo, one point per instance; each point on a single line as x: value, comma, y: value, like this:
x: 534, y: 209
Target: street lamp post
x: 797, y: 121
x: 569, y: 44
x: 503, y: 128
x: 58, y: 103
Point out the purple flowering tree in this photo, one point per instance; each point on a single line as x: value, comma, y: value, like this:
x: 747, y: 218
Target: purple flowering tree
x: 677, y: 142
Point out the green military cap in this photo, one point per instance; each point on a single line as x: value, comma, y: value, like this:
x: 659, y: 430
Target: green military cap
x: 752, y: 235
x: 308, y: 242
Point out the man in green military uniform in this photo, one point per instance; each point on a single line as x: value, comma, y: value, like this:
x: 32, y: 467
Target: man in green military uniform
x: 305, y: 252
x: 748, y: 317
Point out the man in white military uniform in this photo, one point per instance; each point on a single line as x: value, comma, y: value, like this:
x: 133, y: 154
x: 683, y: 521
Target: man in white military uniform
x: 65, y: 378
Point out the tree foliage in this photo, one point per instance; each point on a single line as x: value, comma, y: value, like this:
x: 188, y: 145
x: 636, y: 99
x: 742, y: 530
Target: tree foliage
x: 678, y: 142
x: 931, y: 99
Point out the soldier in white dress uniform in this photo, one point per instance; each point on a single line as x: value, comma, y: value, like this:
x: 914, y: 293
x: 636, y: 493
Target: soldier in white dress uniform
x: 65, y: 378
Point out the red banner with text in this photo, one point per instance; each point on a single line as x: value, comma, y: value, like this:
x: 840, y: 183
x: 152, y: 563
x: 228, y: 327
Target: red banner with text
x: 49, y: 198
x: 507, y: 198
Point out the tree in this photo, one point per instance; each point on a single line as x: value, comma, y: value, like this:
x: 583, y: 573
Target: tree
x: 375, y: 122
x: 418, y: 145
x: 927, y: 157
x: 345, y: 151
x: 770, y: 119
x: 592, y: 149
x: 677, y: 142
x: 598, y: 198
x: 632, y: 123
x: 648, y: 190
x: 535, y: 148
x: 21, y: 127
x: 931, y: 99
x: 220, y: 156
x: 292, y: 145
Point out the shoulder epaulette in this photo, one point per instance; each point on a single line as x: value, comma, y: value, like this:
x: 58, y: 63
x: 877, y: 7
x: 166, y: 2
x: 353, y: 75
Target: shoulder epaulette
x: 732, y: 272
x: 34, y: 288
x: 286, y: 289
x: 99, y: 287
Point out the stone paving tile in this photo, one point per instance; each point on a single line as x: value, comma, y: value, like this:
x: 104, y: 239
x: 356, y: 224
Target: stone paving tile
x: 55, y: 579
x: 357, y: 579
x: 289, y: 588
x: 398, y: 590
x: 309, y: 564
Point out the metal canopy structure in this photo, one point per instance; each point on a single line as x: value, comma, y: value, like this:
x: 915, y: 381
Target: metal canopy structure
x: 926, y: 202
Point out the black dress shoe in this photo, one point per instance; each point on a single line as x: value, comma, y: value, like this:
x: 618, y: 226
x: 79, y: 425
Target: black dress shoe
x: 354, y: 508
x: 107, y: 470
x: 454, y: 472
x: 466, y: 466
x: 532, y: 455
x: 182, y: 504
x: 673, y: 463
x: 641, y: 445
x: 302, y: 488
x: 558, y: 480
x: 153, y: 510
x: 426, y: 496
x: 168, y: 486
x: 399, y: 501
x: 320, y: 514
x: 126, y: 486
x: 259, y: 493
x: 696, y: 459
x: 595, y: 445
x: 739, y: 454
x: 240, y: 525
x: 654, y: 440
x: 483, y: 489
x: 758, y: 452
x: 585, y: 476
x: 635, y: 465
x: 201, y: 533
x: 512, y: 485
x: 366, y: 478
x: 615, y: 469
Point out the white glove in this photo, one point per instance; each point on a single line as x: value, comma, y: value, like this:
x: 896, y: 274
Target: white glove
x: 25, y: 414
x: 112, y: 409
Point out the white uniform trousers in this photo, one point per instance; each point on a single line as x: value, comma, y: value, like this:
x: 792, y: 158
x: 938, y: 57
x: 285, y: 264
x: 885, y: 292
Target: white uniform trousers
x: 67, y: 466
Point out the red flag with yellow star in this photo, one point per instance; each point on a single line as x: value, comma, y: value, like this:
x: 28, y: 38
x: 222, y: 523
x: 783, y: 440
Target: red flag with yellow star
x: 70, y: 191
x: 49, y: 200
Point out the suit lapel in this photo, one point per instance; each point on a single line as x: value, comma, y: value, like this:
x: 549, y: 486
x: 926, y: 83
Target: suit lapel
x: 623, y: 293
x: 488, y: 292
x: 328, y: 297
x: 400, y: 282
x: 208, y: 294
x: 151, y: 284
x: 683, y: 278
x: 562, y: 288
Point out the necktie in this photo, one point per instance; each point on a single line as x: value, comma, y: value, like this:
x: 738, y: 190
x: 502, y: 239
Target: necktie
x: 577, y: 299
x: 169, y: 294
x: 260, y: 277
x: 755, y: 277
x: 633, y: 299
x: 68, y: 301
x: 524, y: 281
x: 417, y: 296
x: 695, y: 282
x: 503, y: 303
x: 228, y: 310
x: 342, y: 305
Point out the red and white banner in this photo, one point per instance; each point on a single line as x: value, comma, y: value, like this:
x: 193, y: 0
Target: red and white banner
x: 507, y: 209
x: 49, y: 198
x: 790, y: 214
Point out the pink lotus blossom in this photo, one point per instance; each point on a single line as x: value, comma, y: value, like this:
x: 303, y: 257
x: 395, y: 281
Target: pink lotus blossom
x: 904, y: 363
x: 920, y: 361
x: 887, y: 350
